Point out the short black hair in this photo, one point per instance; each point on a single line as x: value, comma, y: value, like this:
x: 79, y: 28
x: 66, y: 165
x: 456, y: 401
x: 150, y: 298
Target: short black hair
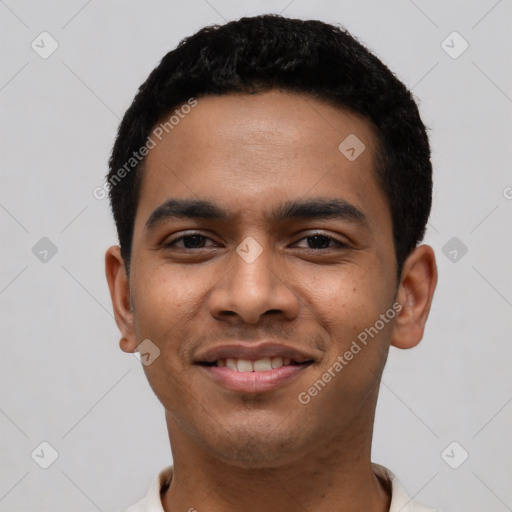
x: 308, y: 57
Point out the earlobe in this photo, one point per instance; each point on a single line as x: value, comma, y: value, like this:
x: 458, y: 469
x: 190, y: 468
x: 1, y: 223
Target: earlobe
x: 126, y: 345
x: 415, y: 293
x: 119, y: 287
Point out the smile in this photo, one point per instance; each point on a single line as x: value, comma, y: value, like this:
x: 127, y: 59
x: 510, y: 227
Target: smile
x: 261, y: 375
x: 261, y: 365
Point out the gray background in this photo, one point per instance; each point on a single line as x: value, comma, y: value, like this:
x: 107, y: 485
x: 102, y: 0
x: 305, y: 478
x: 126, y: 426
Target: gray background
x: 64, y: 379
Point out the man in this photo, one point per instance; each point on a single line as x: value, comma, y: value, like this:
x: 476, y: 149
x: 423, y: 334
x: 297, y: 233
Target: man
x: 270, y: 185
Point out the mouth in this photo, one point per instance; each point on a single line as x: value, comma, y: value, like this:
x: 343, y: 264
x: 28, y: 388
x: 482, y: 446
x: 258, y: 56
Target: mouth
x: 265, y: 364
x: 253, y: 367
x: 247, y: 376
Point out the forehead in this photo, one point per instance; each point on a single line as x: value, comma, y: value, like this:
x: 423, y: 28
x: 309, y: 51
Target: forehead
x: 251, y: 151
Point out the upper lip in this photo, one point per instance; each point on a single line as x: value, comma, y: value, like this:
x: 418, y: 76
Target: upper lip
x: 253, y: 351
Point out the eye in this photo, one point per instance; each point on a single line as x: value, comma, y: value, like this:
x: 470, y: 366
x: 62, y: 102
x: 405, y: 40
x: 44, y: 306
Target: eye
x: 191, y: 241
x: 318, y: 241
x: 315, y: 242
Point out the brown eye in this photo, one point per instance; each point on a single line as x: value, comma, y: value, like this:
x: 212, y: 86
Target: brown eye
x: 320, y: 241
x: 193, y: 241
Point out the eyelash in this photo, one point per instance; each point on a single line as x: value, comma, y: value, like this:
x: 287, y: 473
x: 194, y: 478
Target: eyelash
x: 340, y: 245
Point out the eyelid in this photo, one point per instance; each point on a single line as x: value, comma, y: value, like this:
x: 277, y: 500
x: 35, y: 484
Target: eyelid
x: 341, y: 244
x: 172, y: 242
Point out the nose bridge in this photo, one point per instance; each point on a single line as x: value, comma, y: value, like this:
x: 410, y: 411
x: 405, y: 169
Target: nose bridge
x: 252, y: 285
x: 252, y: 276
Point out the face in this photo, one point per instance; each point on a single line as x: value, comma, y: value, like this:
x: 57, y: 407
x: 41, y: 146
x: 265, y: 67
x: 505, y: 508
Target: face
x: 260, y: 245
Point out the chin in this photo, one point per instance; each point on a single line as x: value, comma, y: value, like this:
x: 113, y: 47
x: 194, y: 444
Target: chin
x: 252, y: 446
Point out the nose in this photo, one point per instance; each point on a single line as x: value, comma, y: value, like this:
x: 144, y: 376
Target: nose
x: 252, y: 286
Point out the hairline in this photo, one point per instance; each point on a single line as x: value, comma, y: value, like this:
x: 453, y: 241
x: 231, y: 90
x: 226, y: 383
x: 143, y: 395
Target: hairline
x: 378, y: 156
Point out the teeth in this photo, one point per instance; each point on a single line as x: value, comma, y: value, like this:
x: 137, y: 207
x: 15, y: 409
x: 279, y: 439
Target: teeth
x: 277, y: 362
x: 244, y: 365
x: 261, y: 365
x: 231, y: 364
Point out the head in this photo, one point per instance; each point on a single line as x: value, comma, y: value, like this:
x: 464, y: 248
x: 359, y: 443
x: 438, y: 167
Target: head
x: 297, y: 168
x: 311, y: 58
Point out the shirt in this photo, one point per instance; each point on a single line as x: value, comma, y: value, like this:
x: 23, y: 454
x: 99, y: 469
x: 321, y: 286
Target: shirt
x: 400, y: 500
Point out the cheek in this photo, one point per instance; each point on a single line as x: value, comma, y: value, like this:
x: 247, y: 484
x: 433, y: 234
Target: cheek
x: 358, y: 318
x: 356, y: 354
x: 348, y: 299
x: 165, y: 304
x: 164, y: 300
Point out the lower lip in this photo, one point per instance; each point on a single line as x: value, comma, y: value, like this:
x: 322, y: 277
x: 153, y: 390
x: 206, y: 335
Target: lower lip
x: 254, y: 382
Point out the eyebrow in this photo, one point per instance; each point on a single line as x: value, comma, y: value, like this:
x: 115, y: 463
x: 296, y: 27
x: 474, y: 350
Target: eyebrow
x: 316, y: 208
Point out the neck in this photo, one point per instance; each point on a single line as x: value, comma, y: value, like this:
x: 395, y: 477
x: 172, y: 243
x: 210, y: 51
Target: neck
x: 334, y: 474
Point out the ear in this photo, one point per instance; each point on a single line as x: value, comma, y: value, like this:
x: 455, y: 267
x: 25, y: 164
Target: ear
x: 119, y: 287
x: 417, y: 285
